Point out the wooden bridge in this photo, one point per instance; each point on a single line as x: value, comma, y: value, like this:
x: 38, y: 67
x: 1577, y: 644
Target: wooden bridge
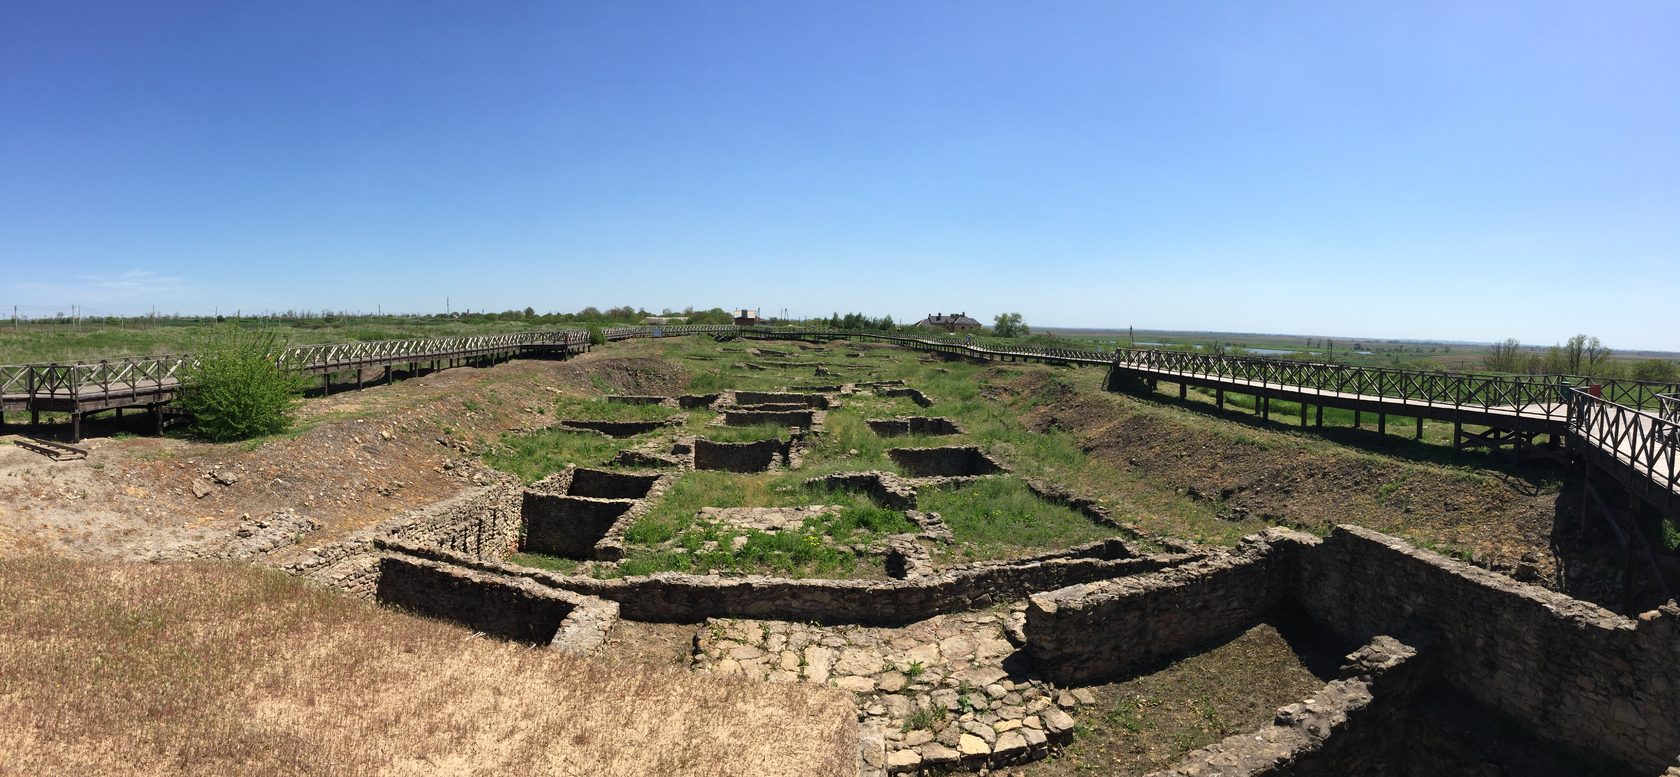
x: 149, y: 382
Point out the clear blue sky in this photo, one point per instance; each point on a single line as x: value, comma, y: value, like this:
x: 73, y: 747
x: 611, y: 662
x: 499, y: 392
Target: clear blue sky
x: 1457, y: 170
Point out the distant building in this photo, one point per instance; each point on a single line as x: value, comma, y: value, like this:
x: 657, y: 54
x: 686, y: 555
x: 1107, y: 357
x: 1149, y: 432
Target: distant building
x: 950, y: 322
x: 746, y: 317
x: 664, y: 320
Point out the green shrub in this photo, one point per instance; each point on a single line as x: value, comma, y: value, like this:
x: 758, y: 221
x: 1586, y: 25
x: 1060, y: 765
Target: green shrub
x: 236, y: 391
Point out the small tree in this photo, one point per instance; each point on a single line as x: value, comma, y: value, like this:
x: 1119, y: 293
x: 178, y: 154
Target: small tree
x: 236, y: 390
x: 1009, y: 325
x: 1506, y: 356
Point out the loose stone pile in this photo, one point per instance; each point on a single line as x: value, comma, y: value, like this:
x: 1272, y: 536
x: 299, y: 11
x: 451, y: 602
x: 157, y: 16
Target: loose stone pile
x: 935, y: 693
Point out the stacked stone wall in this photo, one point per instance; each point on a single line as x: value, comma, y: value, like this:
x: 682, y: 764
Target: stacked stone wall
x: 1348, y: 727
x: 1565, y: 669
x: 817, y: 401
x: 480, y: 523
x: 618, y: 429
x: 569, y: 526
x: 960, y: 461
x: 799, y: 418
x: 921, y: 425
x: 1151, y: 618
x: 742, y: 456
x: 682, y: 598
x: 510, y: 608
x: 1572, y: 671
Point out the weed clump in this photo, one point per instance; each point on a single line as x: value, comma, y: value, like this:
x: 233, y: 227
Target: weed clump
x: 236, y: 390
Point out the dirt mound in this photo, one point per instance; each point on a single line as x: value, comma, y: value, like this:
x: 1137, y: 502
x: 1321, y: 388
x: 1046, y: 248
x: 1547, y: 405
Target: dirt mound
x: 1263, y: 475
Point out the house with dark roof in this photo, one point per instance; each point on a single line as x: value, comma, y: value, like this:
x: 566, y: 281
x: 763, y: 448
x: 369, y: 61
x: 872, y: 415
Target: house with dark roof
x: 950, y: 322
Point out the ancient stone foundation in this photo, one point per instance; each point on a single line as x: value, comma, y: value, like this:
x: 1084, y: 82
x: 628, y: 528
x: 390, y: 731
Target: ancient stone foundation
x: 679, y: 598
x: 1565, y: 669
x: 883, y: 488
x: 958, y: 461
x: 511, y: 609
x: 691, y: 401
x: 614, y: 428
x: 797, y: 418
x: 569, y: 526
x: 583, y: 513
x: 889, y: 390
x: 482, y: 522
x: 922, y: 425
x: 741, y: 456
x: 1346, y: 728
x: 817, y: 401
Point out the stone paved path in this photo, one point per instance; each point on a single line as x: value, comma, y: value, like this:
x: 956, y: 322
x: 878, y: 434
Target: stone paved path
x: 948, y: 691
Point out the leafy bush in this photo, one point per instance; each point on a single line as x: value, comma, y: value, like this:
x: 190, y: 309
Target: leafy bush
x: 236, y: 391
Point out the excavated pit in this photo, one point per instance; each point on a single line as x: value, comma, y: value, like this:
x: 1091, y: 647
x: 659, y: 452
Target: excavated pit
x: 817, y: 401
x: 919, y: 425
x: 606, y: 484
x: 914, y: 395
x: 956, y: 461
x: 740, y: 456
x: 568, y: 526
x: 636, y: 399
x: 692, y: 401
x: 619, y: 429
x: 803, y: 419
x: 522, y: 613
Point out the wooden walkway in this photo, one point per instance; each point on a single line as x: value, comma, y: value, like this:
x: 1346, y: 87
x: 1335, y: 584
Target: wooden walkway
x: 149, y: 382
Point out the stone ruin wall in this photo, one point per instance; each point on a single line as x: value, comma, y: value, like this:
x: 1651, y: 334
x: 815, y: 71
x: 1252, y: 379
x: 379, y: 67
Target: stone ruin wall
x: 743, y: 456
x: 583, y: 512
x: 481, y: 523
x: 1568, y: 670
x: 681, y: 598
x: 518, y: 610
x: 1572, y: 671
x: 1156, y: 617
x: 1344, y: 728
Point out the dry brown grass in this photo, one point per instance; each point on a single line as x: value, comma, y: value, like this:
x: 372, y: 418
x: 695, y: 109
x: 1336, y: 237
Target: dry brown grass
x: 215, y: 669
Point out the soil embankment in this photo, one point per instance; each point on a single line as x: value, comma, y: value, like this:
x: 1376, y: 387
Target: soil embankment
x: 358, y: 458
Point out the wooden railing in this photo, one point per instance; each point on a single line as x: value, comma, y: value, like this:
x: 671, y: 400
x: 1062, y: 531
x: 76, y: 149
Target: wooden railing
x: 627, y: 332
x: 1668, y: 406
x: 1530, y: 395
x: 146, y: 374
x: 1643, y: 441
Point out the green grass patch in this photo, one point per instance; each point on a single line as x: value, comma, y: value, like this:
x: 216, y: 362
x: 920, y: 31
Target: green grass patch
x: 701, y: 547
x: 535, y: 456
x: 599, y: 409
x: 997, y: 517
x: 754, y: 433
